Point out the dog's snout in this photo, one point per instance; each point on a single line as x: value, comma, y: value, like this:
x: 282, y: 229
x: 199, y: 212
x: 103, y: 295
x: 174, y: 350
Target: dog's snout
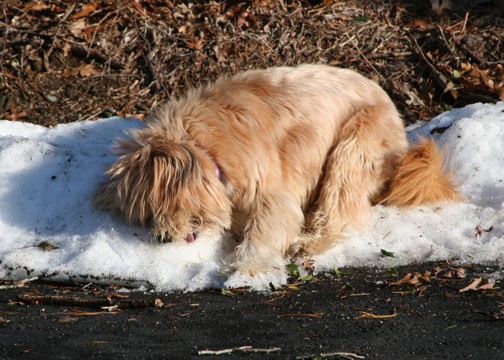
x: 163, y: 239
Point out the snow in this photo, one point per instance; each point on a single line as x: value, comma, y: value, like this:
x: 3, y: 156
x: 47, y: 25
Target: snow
x: 48, y: 177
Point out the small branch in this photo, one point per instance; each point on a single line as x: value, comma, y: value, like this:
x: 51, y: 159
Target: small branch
x: 441, y: 80
x: 344, y: 355
x: 18, y: 284
x: 367, y: 315
x: 303, y: 315
x: 471, y: 54
x: 356, y: 46
x: 101, y: 303
x: 245, y: 349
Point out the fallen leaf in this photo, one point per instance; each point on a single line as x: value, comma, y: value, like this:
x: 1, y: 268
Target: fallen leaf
x: 488, y: 286
x: 421, y: 23
x: 426, y: 276
x: 84, y: 70
x: 4, y: 321
x: 110, y: 308
x: 47, y: 246
x: 307, y: 277
x: 385, y: 253
x: 67, y: 319
x: 228, y: 292
x: 85, y: 11
x: 293, y: 269
x: 87, y: 70
x: 460, y: 273
x: 36, y: 6
x: 308, y: 264
x: 472, y: 286
x: 77, y: 27
x: 405, y: 280
x: 15, y: 115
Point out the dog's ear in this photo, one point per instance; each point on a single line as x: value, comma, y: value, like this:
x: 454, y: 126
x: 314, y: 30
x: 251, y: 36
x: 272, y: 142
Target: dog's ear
x: 170, y: 166
x: 145, y: 182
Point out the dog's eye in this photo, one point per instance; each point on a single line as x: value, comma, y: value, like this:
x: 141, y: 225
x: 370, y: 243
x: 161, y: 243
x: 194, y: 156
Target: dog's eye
x: 196, y: 222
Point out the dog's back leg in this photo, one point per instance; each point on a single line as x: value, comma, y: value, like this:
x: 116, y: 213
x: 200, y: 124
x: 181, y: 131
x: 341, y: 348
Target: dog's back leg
x: 356, y: 172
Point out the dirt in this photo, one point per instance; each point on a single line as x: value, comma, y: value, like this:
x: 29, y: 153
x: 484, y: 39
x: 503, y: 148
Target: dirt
x: 416, y: 312
x: 64, y: 61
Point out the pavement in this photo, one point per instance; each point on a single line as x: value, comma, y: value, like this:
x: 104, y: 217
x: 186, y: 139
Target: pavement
x: 425, y: 311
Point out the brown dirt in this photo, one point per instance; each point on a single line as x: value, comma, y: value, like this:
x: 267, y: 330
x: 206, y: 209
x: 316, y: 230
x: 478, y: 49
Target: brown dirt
x: 64, y: 61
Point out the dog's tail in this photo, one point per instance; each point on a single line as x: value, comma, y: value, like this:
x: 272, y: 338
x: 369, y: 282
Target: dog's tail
x: 421, y: 176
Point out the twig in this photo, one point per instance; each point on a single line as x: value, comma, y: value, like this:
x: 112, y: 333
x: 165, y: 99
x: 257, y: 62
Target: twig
x: 245, y: 349
x: 100, y: 302
x: 303, y: 315
x: 356, y: 46
x: 344, y: 355
x: 383, y: 56
x: 367, y: 315
x: 441, y: 80
x: 454, y: 56
x: 471, y: 54
x: 18, y: 284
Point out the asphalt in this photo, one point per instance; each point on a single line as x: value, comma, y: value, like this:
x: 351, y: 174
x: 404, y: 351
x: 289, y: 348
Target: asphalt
x: 413, y: 312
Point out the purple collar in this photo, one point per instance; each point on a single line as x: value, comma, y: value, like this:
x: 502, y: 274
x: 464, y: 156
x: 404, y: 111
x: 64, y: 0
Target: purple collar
x: 218, y: 171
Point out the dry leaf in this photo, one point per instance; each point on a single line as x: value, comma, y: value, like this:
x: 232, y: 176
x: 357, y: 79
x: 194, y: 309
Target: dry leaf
x: 404, y: 280
x: 84, y: 70
x: 4, y: 321
x: 195, y: 43
x: 412, y: 279
x: 426, y: 276
x: 421, y: 24
x: 68, y: 319
x: 460, y: 273
x: 85, y: 11
x: 36, y: 6
x: 488, y: 286
x: 15, y: 115
x: 87, y: 70
x: 77, y: 27
x: 475, y: 285
x: 472, y: 286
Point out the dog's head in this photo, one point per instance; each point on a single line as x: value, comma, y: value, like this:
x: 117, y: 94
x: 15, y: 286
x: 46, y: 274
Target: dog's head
x: 170, y: 186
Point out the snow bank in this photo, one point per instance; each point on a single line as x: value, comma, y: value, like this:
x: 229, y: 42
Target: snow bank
x: 48, y: 177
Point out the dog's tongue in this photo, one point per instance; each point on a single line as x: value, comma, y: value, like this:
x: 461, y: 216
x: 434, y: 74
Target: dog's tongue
x: 190, y: 238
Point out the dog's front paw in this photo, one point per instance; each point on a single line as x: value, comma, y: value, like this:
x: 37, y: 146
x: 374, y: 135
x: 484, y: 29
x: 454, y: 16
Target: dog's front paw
x: 251, y: 260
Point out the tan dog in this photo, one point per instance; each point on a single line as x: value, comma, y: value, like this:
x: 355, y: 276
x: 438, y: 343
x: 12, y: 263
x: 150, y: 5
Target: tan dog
x: 283, y: 158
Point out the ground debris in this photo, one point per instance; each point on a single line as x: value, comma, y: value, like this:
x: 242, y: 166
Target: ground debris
x: 243, y: 349
x: 340, y: 354
x: 63, y: 61
x: 105, y: 303
x: 479, y: 284
x: 16, y: 284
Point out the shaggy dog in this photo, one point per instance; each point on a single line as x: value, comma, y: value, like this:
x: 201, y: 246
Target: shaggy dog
x: 283, y: 158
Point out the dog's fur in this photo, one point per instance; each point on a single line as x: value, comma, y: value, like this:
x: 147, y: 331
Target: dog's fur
x: 283, y: 158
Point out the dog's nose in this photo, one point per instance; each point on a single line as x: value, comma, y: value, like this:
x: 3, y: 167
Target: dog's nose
x: 163, y: 239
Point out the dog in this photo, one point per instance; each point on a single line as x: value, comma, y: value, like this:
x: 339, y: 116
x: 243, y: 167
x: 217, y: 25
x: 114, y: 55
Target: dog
x: 284, y: 159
